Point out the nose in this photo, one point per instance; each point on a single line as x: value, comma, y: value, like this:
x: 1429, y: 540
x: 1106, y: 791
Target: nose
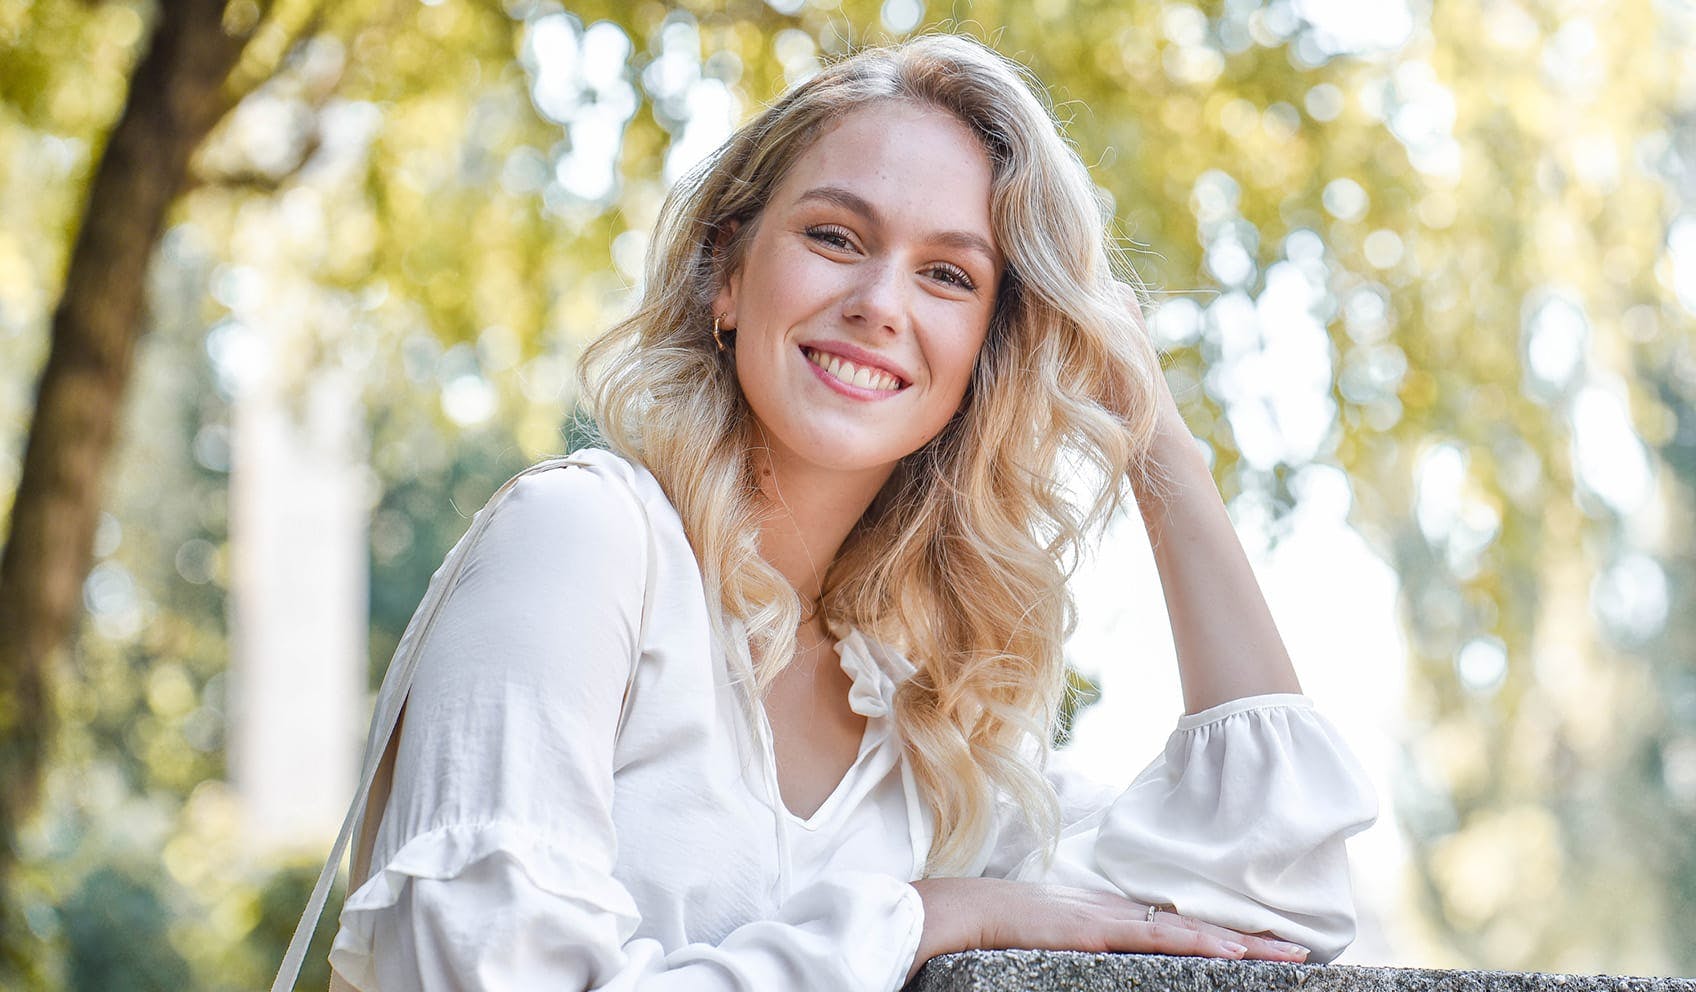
x: 878, y: 298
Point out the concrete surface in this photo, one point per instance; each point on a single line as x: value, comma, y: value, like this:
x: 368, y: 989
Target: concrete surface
x: 1073, y: 971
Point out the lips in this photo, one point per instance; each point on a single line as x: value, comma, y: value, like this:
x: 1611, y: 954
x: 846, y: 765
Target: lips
x: 853, y: 373
x: 826, y: 353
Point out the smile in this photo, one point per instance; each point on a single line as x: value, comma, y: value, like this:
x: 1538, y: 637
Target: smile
x: 860, y: 376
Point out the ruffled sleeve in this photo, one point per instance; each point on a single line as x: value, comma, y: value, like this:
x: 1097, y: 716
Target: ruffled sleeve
x: 493, y: 863
x: 1240, y: 822
x: 484, y: 912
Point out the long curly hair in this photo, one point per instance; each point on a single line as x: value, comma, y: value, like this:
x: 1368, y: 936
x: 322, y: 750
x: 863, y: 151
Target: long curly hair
x: 961, y: 560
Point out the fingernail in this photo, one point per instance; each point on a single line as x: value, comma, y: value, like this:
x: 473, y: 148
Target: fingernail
x: 1284, y: 945
x: 1233, y: 948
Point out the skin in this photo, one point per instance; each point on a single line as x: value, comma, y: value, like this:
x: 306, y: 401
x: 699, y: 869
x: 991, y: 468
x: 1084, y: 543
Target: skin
x: 818, y: 269
x: 880, y: 239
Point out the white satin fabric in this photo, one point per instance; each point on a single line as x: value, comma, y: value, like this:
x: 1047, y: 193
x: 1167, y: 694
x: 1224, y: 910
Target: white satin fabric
x: 528, y: 844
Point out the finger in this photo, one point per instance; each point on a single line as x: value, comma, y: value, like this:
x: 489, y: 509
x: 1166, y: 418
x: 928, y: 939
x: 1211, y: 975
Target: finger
x: 1259, y: 948
x: 1281, y: 950
x: 1169, y: 938
x: 1271, y: 949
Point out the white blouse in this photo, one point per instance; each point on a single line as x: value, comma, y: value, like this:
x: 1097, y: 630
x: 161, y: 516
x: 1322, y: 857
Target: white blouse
x: 539, y: 834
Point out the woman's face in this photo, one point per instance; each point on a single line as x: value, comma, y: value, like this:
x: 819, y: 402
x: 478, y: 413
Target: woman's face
x: 866, y: 291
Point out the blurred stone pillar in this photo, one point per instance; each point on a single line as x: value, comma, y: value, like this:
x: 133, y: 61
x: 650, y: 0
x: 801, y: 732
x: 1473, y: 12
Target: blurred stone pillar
x: 298, y: 535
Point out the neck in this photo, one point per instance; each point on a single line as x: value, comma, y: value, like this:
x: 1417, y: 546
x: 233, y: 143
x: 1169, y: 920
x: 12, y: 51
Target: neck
x: 810, y: 511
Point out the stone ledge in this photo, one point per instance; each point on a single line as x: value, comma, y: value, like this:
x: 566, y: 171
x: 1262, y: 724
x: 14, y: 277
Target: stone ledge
x: 1075, y: 971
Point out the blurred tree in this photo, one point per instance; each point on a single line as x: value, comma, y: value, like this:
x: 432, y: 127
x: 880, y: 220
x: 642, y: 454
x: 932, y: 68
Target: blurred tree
x: 181, y: 88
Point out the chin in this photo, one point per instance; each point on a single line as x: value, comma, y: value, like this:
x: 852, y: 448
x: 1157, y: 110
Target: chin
x: 839, y: 453
x: 838, y: 459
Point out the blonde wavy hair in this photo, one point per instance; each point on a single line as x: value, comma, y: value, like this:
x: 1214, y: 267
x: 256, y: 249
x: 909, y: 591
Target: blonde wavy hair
x: 961, y: 560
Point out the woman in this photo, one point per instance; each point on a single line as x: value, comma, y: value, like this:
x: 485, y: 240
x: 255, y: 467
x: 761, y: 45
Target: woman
x: 759, y: 698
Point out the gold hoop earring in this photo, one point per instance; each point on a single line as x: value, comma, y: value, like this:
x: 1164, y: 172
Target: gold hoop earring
x: 716, y: 318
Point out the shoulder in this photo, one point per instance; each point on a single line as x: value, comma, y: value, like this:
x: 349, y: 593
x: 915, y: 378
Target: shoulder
x: 591, y: 503
x: 592, y: 483
x: 590, y: 478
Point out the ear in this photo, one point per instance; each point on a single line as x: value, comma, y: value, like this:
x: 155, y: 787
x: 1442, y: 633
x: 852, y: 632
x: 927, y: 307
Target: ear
x: 724, y: 301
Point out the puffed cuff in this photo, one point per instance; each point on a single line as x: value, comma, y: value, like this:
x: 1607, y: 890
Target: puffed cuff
x: 866, y: 924
x: 1240, y: 822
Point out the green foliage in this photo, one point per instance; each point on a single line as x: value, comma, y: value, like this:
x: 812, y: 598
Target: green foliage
x: 280, y: 901
x: 1080, y: 692
x: 115, y: 936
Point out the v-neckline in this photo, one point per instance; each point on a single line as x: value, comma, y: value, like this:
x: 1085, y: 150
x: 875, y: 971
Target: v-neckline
x: 835, y: 648
x: 833, y: 798
x: 875, y: 730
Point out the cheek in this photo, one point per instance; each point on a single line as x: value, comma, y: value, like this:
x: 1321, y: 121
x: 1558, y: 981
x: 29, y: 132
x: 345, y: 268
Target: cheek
x: 786, y: 282
x: 954, y: 358
x: 756, y: 369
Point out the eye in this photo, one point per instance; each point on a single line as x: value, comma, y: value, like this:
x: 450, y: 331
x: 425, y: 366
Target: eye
x: 953, y: 275
x: 831, y: 237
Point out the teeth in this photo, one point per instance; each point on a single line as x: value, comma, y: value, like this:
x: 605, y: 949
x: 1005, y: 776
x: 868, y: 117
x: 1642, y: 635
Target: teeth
x: 855, y: 375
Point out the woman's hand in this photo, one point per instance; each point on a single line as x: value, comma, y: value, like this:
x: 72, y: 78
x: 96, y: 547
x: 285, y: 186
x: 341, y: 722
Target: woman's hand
x: 992, y: 914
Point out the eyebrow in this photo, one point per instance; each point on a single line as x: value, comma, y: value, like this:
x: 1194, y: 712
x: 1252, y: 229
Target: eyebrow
x: 849, y: 200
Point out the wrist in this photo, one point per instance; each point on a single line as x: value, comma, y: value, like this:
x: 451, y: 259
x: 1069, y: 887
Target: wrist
x: 1171, y: 440
x: 951, y: 920
x: 935, y: 936
x: 1171, y: 449
x: 1169, y: 426
x: 945, y: 929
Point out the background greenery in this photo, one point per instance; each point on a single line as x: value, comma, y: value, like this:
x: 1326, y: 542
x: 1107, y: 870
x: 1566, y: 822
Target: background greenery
x: 1490, y: 205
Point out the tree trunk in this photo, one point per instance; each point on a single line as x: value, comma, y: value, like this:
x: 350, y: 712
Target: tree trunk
x: 177, y: 94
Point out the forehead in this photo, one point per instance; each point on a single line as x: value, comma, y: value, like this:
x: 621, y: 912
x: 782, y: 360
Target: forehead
x: 917, y: 165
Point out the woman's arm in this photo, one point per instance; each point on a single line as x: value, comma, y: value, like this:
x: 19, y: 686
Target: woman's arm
x: 1228, y: 646
x: 1241, y: 818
